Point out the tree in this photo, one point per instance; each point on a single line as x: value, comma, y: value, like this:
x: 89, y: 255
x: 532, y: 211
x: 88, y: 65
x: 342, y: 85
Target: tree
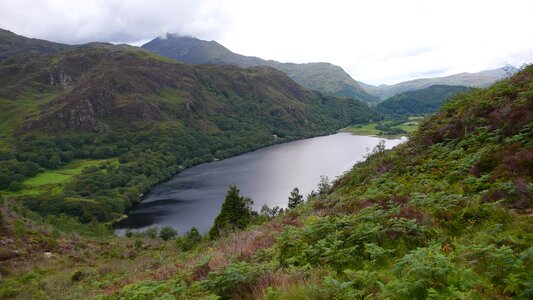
x: 270, y: 212
x: 167, y: 232
x: 15, y: 186
x: 295, y: 198
x: 323, y: 185
x: 152, y: 232
x: 54, y: 162
x: 235, y: 213
x: 191, y: 239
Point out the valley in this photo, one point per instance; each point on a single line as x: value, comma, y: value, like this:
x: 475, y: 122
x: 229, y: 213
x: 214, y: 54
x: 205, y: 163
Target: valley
x: 182, y: 170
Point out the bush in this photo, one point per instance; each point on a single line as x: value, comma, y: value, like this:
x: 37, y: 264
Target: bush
x: 235, y: 281
x: 167, y: 233
x: 15, y: 186
x: 152, y: 232
x: 420, y: 270
x: 77, y: 276
x: 191, y: 239
x: 171, y: 289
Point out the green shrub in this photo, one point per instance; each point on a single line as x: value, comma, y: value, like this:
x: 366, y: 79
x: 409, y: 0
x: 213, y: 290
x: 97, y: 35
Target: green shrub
x: 419, y: 270
x: 191, y: 239
x: 234, y: 281
x: 170, y: 289
x: 77, y: 276
x: 167, y: 232
x: 152, y: 232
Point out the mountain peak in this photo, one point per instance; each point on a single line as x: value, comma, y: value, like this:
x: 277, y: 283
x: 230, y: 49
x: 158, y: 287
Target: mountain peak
x: 323, y: 77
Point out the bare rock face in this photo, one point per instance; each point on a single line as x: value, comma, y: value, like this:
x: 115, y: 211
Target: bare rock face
x: 62, y: 79
x: 83, y: 107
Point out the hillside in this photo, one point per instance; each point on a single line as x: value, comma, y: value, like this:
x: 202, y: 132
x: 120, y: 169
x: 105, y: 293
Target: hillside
x: 12, y: 45
x: 420, y: 102
x: 446, y: 215
x: 323, y: 77
x: 481, y: 79
x: 144, y: 118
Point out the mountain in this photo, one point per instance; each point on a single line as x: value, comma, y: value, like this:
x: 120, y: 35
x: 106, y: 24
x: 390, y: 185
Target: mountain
x: 12, y: 44
x: 152, y: 115
x: 480, y: 79
x: 420, y: 102
x: 323, y: 77
x: 446, y: 215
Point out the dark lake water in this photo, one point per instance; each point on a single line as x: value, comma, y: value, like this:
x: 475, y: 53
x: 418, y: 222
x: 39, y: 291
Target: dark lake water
x: 194, y: 196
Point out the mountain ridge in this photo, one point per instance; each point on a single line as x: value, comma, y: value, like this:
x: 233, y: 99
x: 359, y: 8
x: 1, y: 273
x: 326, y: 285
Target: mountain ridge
x: 420, y: 102
x: 324, y: 77
x: 480, y: 79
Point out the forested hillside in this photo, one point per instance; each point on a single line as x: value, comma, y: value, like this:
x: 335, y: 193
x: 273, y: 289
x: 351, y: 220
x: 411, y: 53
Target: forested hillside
x: 420, y: 102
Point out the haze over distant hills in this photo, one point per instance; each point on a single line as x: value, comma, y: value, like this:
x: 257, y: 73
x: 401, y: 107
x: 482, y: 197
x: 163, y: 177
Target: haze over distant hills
x: 323, y: 77
x: 481, y: 79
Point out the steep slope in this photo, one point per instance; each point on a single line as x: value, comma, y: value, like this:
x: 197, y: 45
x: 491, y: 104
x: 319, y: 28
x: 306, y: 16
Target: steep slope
x: 420, y: 102
x: 480, y: 79
x: 154, y: 114
x: 323, y: 77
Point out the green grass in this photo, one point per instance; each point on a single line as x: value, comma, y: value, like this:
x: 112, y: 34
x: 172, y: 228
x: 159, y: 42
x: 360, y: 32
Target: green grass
x: 367, y: 129
x: 53, y: 181
x: 48, y: 177
x: 370, y: 128
x: 409, y: 126
x: 11, y: 111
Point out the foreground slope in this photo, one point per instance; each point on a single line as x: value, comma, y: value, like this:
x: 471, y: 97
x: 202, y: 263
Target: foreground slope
x: 420, y: 102
x: 144, y: 117
x: 446, y: 215
x: 324, y: 77
x: 480, y: 79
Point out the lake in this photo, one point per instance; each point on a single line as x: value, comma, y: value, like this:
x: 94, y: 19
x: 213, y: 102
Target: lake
x: 268, y: 175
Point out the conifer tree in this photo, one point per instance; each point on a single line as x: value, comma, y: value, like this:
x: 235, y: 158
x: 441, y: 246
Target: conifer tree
x: 235, y: 213
x: 295, y: 198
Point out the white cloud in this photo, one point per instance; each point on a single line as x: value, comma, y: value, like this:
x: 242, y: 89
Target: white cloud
x: 129, y: 21
x: 376, y: 41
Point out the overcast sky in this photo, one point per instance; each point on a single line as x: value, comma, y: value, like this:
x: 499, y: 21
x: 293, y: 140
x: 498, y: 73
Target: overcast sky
x: 375, y: 41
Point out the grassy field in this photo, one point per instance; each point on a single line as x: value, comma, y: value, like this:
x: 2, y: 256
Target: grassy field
x: 370, y: 128
x: 54, y: 180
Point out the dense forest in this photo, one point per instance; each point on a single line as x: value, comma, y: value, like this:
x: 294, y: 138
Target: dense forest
x: 445, y: 215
